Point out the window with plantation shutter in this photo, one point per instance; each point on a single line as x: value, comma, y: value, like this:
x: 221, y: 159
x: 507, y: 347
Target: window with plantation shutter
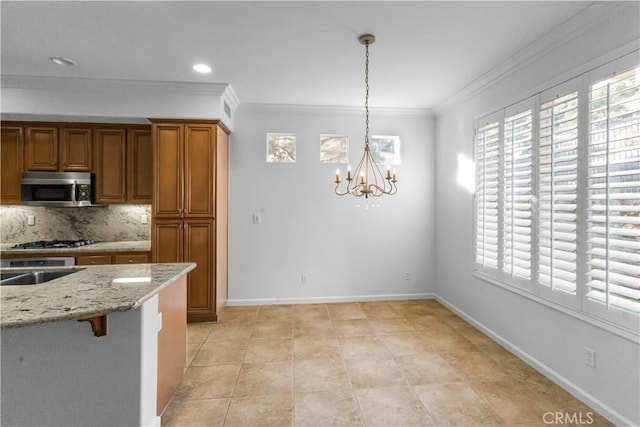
x: 613, y: 205
x: 557, y: 193
x: 517, y: 194
x: 557, y: 196
x: 487, y: 188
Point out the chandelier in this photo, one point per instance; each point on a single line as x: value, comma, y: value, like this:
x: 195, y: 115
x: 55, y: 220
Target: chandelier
x: 367, y: 180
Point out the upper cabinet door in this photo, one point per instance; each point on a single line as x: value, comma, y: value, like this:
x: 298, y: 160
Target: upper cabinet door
x: 76, y: 150
x: 200, y: 166
x: 139, y: 166
x: 41, y: 149
x: 168, y: 170
x: 109, y: 162
x: 12, y: 164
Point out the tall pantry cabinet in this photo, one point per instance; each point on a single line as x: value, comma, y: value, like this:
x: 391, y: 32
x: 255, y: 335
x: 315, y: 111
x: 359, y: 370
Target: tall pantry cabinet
x: 189, y: 209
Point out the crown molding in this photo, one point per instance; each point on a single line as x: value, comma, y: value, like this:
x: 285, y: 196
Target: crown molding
x: 14, y: 81
x: 562, y: 34
x: 72, y: 118
x: 293, y: 109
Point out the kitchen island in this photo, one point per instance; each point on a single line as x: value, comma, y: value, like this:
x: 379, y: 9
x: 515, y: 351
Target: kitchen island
x: 114, y: 369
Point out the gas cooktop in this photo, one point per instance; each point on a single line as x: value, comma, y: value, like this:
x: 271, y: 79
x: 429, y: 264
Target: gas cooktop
x: 48, y: 244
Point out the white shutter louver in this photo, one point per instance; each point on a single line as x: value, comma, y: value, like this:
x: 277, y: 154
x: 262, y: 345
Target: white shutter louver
x: 487, y: 181
x: 517, y: 194
x: 613, y: 215
x: 557, y: 193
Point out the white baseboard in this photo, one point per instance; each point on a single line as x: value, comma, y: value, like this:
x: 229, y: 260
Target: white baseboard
x: 330, y: 299
x: 558, y: 379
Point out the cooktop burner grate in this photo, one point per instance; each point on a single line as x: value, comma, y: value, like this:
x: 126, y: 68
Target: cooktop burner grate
x: 47, y: 244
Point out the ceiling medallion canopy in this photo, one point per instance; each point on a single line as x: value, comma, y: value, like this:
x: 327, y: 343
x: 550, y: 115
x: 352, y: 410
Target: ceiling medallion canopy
x: 367, y: 180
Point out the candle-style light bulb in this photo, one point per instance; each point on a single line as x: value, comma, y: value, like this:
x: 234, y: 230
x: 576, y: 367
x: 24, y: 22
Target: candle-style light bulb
x: 388, y: 171
x: 395, y: 175
x: 361, y: 177
x: 348, y: 171
x: 337, y: 175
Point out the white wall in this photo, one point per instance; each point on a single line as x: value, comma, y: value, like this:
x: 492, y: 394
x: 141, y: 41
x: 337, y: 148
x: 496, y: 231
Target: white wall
x: 550, y: 340
x: 347, y: 252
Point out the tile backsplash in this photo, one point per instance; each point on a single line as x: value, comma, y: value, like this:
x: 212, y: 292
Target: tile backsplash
x: 112, y: 223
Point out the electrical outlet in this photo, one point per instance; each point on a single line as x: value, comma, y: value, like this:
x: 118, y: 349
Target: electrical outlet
x: 589, y: 357
x: 407, y: 276
x: 144, y: 219
x: 257, y: 218
x: 31, y: 220
x: 304, y: 279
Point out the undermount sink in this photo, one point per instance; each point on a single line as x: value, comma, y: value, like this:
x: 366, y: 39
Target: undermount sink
x: 4, y: 276
x: 19, y: 278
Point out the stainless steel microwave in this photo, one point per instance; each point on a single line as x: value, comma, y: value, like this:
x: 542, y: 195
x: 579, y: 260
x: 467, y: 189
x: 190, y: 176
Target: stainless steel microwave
x: 70, y: 189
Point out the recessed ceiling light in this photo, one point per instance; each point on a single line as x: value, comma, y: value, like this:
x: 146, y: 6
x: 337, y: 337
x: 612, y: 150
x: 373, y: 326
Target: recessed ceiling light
x: 202, y: 68
x: 62, y: 61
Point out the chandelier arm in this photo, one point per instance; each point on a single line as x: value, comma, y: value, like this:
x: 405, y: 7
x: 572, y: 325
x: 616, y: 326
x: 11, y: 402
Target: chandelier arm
x: 390, y: 191
x: 338, y: 193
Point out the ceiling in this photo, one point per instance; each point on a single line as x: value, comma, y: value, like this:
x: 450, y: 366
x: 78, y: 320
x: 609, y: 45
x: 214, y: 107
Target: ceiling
x: 281, y: 52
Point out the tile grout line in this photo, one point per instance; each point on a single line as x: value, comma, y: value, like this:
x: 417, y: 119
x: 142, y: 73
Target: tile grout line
x: 235, y: 384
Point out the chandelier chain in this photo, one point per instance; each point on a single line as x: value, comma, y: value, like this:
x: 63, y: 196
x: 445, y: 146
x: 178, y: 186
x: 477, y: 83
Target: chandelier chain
x: 366, y: 98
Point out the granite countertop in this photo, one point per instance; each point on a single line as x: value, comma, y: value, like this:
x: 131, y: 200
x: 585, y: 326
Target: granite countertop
x: 127, y: 246
x: 87, y: 293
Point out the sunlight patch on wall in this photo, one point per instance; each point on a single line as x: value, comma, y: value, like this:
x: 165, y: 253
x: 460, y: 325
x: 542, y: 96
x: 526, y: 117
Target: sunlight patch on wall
x: 466, y: 173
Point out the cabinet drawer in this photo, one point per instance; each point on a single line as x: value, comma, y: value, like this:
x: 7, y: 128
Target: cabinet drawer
x: 93, y: 260
x: 131, y: 259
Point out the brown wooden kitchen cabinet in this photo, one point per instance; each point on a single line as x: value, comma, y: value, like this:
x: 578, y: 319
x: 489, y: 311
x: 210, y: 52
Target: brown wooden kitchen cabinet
x: 200, y: 247
x: 93, y: 259
x: 137, y: 258
x: 110, y: 165
x: 139, y: 166
x: 76, y: 149
x: 185, y: 177
x: 189, y: 209
x: 53, y: 148
x: 123, y: 165
x: 168, y: 170
x: 190, y: 240
x: 167, y: 240
x: 121, y: 155
x: 12, y: 164
x: 113, y: 258
x: 41, y: 148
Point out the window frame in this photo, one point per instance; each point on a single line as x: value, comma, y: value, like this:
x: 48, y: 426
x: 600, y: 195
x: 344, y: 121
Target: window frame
x: 621, y: 322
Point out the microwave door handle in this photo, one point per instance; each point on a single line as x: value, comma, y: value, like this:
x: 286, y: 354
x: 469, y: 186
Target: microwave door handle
x: 73, y: 193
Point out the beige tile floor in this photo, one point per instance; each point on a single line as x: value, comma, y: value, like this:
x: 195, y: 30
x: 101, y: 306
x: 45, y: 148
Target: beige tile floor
x: 390, y: 363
